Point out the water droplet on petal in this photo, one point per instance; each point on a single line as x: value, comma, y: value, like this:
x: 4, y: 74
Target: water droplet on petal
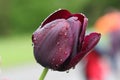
x: 56, y: 65
x: 65, y: 53
x: 60, y: 49
x: 65, y: 33
x: 61, y: 59
x: 58, y: 43
x: 34, y: 39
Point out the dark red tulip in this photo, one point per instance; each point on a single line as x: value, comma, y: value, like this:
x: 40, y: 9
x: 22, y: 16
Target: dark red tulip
x: 60, y: 42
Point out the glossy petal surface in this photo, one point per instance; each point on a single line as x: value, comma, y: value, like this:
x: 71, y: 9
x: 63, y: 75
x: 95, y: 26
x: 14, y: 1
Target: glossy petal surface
x: 76, y: 26
x: 82, y: 34
x: 53, y: 43
x: 90, y: 41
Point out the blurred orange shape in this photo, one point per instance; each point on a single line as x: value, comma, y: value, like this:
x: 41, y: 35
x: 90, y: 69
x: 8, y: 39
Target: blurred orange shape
x: 108, y: 22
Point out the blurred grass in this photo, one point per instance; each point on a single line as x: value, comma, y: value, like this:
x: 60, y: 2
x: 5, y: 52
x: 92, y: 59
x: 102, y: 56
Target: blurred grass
x: 15, y: 50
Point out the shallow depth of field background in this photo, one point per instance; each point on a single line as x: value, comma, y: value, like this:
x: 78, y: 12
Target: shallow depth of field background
x: 20, y: 18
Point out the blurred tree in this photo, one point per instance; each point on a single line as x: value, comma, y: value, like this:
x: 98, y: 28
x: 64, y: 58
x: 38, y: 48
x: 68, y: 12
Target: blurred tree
x: 4, y: 17
x: 97, y: 8
x: 24, y: 16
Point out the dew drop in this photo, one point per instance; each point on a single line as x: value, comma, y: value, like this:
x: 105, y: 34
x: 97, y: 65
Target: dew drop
x: 65, y: 33
x: 56, y: 65
x: 61, y: 60
x: 60, y: 49
x: 33, y: 44
x: 67, y: 71
x: 65, y: 53
x: 58, y: 43
x: 34, y: 39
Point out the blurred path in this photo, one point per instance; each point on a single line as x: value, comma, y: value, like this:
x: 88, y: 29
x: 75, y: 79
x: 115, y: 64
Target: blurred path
x: 32, y: 72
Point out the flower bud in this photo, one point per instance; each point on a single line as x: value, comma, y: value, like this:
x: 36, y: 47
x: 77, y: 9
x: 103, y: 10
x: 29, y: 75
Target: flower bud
x: 60, y: 42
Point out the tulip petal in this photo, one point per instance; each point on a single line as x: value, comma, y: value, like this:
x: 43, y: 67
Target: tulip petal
x: 80, y: 17
x: 89, y: 43
x: 82, y: 34
x: 53, y: 43
x: 83, y: 19
x: 75, y: 25
x: 59, y: 14
x: 60, y: 42
x: 78, y: 29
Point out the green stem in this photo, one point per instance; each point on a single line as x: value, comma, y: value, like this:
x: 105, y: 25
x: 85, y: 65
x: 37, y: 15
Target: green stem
x: 43, y: 74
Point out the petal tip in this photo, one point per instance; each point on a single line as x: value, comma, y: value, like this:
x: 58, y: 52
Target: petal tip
x: 57, y: 14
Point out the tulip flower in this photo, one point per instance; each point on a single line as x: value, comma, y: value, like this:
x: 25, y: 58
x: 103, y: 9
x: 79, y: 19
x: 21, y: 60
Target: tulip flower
x: 60, y: 41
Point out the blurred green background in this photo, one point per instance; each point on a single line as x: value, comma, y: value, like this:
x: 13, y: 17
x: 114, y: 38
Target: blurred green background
x: 20, y: 18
